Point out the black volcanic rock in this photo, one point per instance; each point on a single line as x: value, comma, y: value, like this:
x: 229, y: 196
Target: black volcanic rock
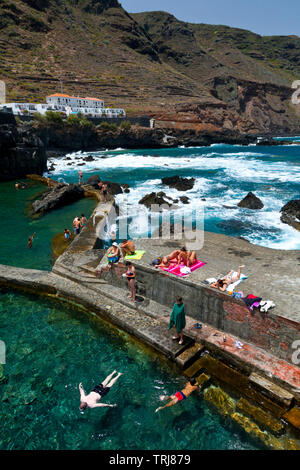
x: 154, y: 199
x: 21, y: 151
x: 60, y: 196
x: 251, y: 202
x: 113, y: 188
x: 179, y: 183
x: 291, y: 213
x: 184, y: 199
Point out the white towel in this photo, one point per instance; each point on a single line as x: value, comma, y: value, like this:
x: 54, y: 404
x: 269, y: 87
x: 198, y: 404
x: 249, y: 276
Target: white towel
x: 233, y: 285
x: 266, y: 304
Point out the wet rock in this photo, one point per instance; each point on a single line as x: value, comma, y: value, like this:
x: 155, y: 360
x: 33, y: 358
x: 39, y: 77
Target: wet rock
x: 60, y: 196
x: 184, y: 199
x: 223, y: 402
x: 179, y: 183
x: 251, y: 202
x: 68, y: 158
x: 113, y: 188
x: 290, y: 213
x: 154, y: 199
x: 93, y: 181
x: 89, y: 158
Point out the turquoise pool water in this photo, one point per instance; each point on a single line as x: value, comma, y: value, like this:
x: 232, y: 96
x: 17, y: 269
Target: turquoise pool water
x: 51, y: 348
x: 17, y: 226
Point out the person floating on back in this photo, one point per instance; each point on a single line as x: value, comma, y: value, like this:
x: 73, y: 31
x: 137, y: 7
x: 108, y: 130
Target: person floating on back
x: 30, y: 240
x: 190, y: 387
x: 91, y: 400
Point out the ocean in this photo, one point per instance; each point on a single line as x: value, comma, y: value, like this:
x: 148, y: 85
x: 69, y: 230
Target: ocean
x: 224, y: 175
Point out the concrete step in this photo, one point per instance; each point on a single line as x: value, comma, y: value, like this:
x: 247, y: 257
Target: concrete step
x: 76, y: 276
x: 280, y: 395
x: 189, y: 356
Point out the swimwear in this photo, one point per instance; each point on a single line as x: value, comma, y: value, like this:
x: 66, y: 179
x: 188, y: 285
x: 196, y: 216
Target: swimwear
x: 76, y: 231
x: 180, y: 395
x: 113, y: 258
x: 67, y: 235
x: 104, y: 192
x: 101, y: 390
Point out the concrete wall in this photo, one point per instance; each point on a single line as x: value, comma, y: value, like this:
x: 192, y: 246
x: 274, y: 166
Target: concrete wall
x: 143, y: 121
x: 272, y: 333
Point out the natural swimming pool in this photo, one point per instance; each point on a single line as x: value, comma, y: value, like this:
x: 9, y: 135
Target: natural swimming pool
x: 51, y: 348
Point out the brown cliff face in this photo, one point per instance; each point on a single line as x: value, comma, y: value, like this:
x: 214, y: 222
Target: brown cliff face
x: 199, y: 77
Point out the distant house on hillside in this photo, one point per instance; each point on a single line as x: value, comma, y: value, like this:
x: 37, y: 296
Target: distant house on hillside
x: 67, y: 105
x: 74, y: 101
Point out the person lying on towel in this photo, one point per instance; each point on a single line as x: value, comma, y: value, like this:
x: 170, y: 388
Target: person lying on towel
x: 225, y: 281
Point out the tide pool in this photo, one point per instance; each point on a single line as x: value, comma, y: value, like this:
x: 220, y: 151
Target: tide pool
x: 52, y: 348
x: 18, y: 226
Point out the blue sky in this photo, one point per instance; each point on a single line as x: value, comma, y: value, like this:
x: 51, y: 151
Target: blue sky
x: 265, y: 17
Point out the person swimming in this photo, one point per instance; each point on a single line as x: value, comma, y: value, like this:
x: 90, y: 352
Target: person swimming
x: 67, y: 234
x: 30, y: 240
x: 190, y: 387
x: 91, y: 400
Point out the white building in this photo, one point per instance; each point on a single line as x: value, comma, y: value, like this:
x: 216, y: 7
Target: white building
x: 74, y: 101
x: 91, y: 107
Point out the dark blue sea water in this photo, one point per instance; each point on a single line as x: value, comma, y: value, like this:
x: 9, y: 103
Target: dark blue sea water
x: 224, y: 175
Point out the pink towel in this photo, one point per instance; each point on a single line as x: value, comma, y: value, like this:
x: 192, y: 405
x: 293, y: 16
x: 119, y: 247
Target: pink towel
x: 176, y: 269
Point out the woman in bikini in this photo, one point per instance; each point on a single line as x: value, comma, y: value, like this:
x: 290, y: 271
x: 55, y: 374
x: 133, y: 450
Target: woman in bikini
x: 225, y: 281
x: 130, y: 274
x: 167, y: 260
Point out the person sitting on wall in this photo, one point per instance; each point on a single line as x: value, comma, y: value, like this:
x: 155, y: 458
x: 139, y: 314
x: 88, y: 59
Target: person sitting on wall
x: 127, y: 247
x: 190, y: 387
x: 113, y: 254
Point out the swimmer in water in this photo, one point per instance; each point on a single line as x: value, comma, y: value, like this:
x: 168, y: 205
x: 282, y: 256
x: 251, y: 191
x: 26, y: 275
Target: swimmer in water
x: 190, y: 387
x: 30, y: 240
x: 91, y: 400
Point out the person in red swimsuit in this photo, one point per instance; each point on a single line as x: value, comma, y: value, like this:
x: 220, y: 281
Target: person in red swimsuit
x: 190, y: 387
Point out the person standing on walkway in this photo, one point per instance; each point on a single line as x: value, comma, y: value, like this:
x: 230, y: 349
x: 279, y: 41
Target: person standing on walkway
x: 177, y: 319
x: 130, y: 274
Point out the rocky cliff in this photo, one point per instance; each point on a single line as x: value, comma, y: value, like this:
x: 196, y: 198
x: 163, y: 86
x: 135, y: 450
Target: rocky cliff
x: 21, y: 151
x: 188, y: 76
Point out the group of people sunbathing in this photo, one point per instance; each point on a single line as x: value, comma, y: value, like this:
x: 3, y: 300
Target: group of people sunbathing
x: 176, y: 258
